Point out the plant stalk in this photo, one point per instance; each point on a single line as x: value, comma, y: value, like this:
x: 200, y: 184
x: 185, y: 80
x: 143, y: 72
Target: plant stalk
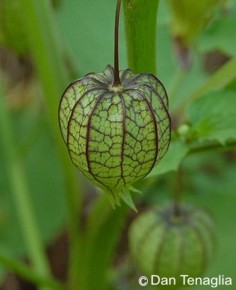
x: 178, y: 192
x: 21, y: 195
x: 103, y: 231
x: 140, y: 26
x: 28, y: 273
x: 48, y: 55
x: 214, y: 146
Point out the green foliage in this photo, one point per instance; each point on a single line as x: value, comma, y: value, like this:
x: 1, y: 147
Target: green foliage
x: 213, y: 117
x: 80, y: 34
x: 44, y: 197
x: 215, y: 38
x: 177, y: 151
x: 189, y: 18
x: 12, y: 34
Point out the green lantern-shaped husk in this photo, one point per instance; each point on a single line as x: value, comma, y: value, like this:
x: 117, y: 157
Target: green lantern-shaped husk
x: 169, y: 245
x: 116, y: 126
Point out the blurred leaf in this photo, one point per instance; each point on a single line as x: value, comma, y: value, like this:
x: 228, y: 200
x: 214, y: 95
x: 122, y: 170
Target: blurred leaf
x: 190, y: 17
x: 20, y: 193
x: 210, y: 182
x: 88, y: 35
x: 171, y: 160
x: 46, y: 185
x: 185, y: 83
x: 12, y: 35
x: 214, y: 117
x: 220, y: 36
x: 219, y: 80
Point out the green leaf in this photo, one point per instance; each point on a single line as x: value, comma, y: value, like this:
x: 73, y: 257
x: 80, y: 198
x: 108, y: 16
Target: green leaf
x: 45, y: 180
x: 220, y: 36
x: 172, y: 159
x: 219, y: 80
x: 190, y: 17
x: 89, y: 41
x: 214, y: 117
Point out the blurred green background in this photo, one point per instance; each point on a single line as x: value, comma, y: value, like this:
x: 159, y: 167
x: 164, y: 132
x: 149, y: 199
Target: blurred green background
x: 83, y: 38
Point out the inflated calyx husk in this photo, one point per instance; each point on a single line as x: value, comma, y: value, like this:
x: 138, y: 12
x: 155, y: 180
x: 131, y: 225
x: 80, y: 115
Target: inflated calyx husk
x: 115, y: 135
x: 116, y: 127
x: 169, y: 245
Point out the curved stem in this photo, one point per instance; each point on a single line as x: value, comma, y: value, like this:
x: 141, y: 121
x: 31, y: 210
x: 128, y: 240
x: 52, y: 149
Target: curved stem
x: 29, y: 274
x: 21, y: 195
x: 47, y: 54
x: 214, y: 146
x: 116, y: 46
